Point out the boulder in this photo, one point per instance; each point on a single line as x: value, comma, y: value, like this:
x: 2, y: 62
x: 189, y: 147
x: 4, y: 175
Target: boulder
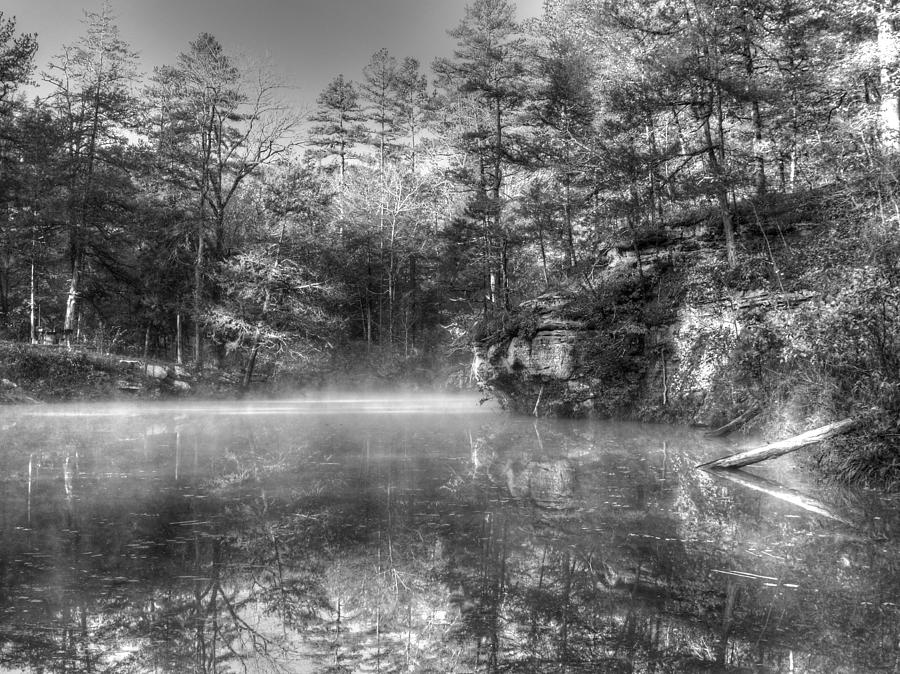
x: 156, y: 371
x: 11, y: 393
x: 125, y: 385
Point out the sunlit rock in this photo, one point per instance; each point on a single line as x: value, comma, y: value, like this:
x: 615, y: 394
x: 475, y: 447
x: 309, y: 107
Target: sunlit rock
x: 130, y: 386
x: 676, y: 368
x: 181, y: 372
x: 10, y: 392
x: 547, y: 354
x: 156, y: 371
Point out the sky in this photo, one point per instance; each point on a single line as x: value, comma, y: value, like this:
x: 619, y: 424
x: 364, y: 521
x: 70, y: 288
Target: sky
x: 309, y: 42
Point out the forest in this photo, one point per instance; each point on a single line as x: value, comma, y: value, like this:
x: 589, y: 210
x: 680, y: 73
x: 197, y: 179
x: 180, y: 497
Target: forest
x: 190, y: 214
x: 684, y: 212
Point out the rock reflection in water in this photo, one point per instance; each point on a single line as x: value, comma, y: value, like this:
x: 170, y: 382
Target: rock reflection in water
x: 308, y: 538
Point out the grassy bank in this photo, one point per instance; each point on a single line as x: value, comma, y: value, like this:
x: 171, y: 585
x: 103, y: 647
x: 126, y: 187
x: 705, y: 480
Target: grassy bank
x: 38, y: 373
x: 50, y: 373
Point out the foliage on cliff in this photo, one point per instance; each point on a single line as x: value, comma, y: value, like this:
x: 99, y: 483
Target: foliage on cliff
x: 805, y: 326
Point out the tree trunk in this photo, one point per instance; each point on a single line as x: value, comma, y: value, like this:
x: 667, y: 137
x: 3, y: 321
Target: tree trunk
x: 32, y: 327
x: 570, y: 235
x: 72, y: 297
x: 567, y: 210
x: 721, y: 195
x: 494, y: 289
x: 887, y: 62
x: 198, y: 297
x: 178, y: 337
x: 4, y: 295
x: 392, y: 261
x: 205, y: 178
x: 495, y: 199
x: 656, y: 208
x: 504, y: 273
x: 81, y: 222
x: 755, y: 112
x: 413, y: 320
x: 251, y: 361
x: 384, y: 273
x: 540, y: 224
x: 257, y: 337
x: 782, y: 447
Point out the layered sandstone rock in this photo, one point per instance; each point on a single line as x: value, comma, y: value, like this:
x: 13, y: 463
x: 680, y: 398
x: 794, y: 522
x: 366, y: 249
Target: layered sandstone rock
x: 671, y: 371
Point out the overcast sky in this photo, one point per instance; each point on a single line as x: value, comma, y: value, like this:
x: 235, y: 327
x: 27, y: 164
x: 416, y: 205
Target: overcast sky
x: 309, y: 41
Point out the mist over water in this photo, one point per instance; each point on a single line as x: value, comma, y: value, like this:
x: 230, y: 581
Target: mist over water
x: 422, y: 533
x: 332, y: 402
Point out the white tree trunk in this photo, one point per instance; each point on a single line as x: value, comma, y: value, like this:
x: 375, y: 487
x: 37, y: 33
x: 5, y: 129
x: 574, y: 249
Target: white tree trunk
x: 33, y: 331
x: 888, y: 51
x: 72, y: 303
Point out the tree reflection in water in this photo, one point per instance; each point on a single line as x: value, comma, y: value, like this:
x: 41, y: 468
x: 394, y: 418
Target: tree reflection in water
x: 307, y: 543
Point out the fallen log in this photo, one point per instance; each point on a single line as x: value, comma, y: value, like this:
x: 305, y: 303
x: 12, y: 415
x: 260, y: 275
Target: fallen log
x: 734, y: 424
x: 782, y: 447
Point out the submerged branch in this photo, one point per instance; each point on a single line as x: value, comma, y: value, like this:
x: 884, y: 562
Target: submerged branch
x: 734, y: 424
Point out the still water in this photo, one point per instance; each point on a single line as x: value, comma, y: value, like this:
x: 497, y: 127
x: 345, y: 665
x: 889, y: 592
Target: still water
x: 423, y: 535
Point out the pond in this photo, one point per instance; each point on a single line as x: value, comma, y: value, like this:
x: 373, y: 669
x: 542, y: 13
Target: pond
x: 426, y: 535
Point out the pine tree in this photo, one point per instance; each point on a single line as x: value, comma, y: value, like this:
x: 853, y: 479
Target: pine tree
x: 337, y: 123
x: 409, y: 102
x: 377, y: 86
x: 16, y: 60
x: 487, y: 64
x: 91, y: 81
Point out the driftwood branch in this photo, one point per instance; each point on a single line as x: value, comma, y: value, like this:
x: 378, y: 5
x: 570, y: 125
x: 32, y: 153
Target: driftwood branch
x: 782, y: 447
x: 734, y: 424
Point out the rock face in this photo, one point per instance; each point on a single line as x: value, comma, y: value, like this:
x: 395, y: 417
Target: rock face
x: 661, y: 329
x: 156, y: 371
x: 551, y: 361
x: 618, y: 367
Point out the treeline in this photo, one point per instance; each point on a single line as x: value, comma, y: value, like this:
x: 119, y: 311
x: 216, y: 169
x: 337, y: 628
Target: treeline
x: 192, y: 213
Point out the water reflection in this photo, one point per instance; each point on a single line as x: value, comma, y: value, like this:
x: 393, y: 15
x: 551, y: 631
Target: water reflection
x: 429, y: 536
